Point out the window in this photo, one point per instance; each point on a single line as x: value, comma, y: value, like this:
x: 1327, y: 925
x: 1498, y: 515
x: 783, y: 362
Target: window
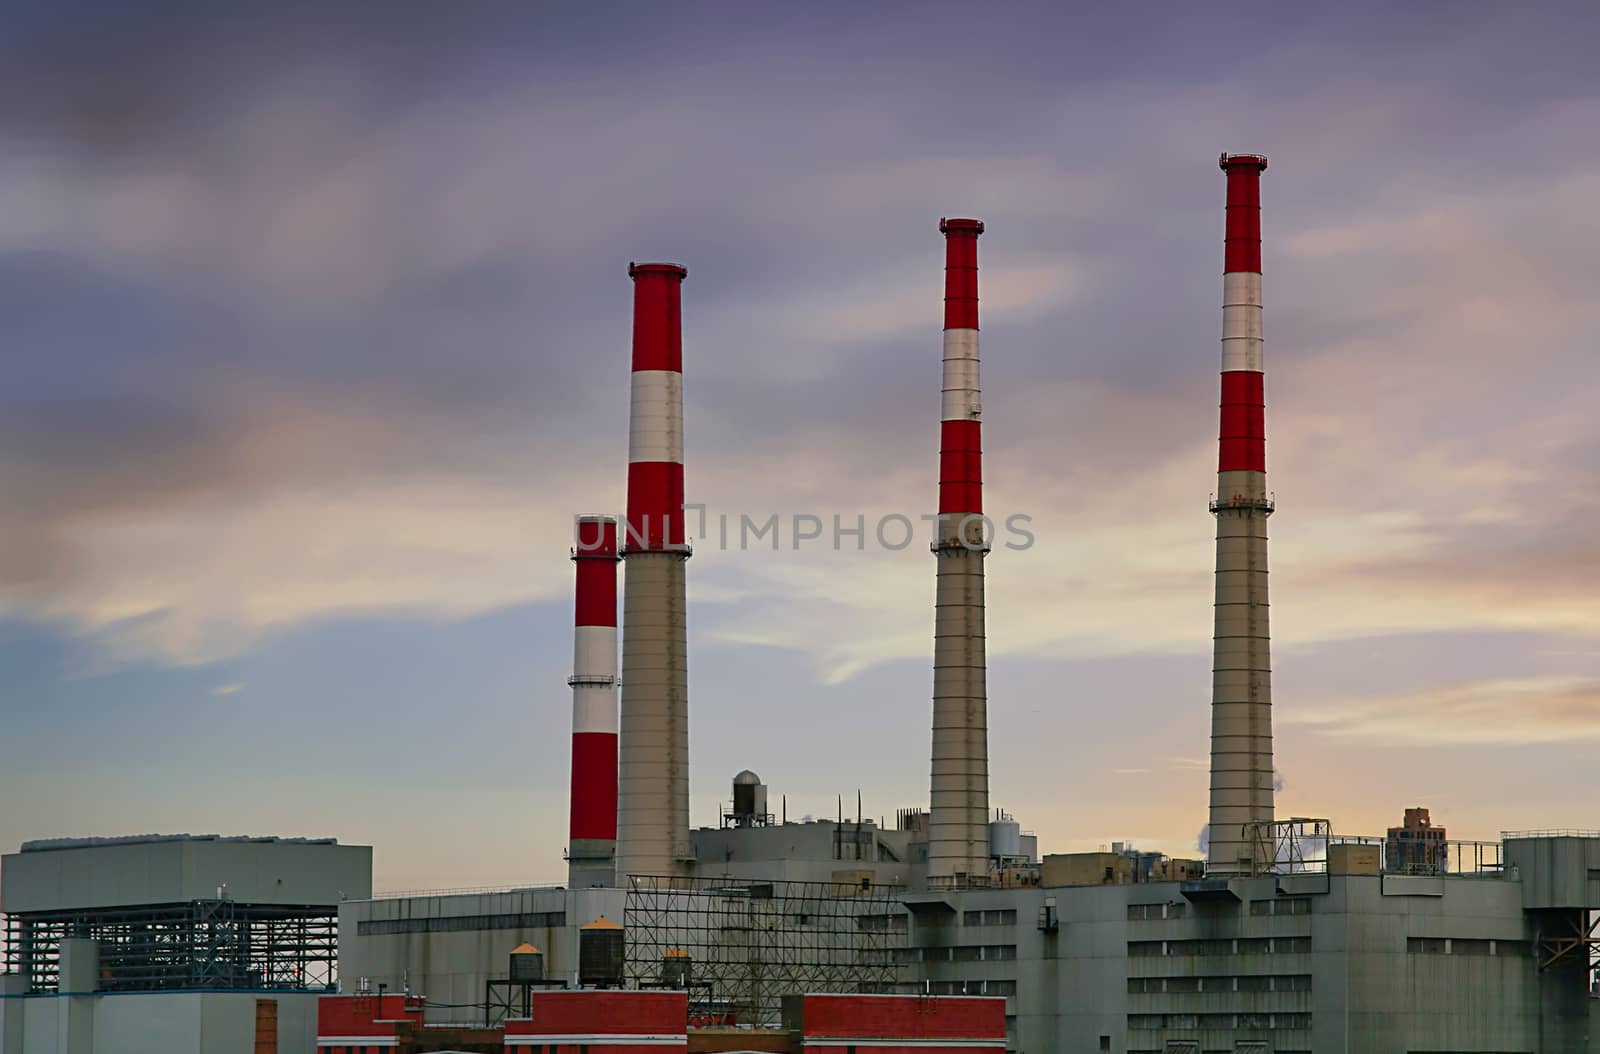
x: 1105, y: 1042
x: 1291, y: 945
x: 1154, y: 912
x: 1003, y: 986
x: 1464, y: 946
x: 1294, y: 982
x: 526, y: 920
x: 1254, y: 983
x: 1140, y: 949
x: 997, y: 917
x: 1425, y: 945
x: 1183, y: 985
x: 892, y: 923
x: 1291, y: 1020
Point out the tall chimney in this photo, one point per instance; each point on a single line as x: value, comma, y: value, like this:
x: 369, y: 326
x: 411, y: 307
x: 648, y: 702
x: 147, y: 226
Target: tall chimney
x: 653, y: 777
x: 592, y: 833
x: 958, y: 838
x: 1241, y: 679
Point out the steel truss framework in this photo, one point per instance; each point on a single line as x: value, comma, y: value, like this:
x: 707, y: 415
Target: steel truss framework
x: 1300, y: 845
x: 199, y: 944
x: 751, y: 943
x: 1564, y: 933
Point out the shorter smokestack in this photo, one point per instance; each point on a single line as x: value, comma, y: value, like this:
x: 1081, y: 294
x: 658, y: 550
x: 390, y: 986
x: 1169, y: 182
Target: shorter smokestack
x: 592, y: 833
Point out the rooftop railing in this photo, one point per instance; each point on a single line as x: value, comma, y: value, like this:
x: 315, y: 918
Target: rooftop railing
x: 509, y: 887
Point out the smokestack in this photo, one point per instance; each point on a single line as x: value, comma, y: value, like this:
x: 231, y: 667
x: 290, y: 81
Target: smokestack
x: 653, y: 777
x: 958, y: 839
x: 592, y: 832
x: 1241, y: 679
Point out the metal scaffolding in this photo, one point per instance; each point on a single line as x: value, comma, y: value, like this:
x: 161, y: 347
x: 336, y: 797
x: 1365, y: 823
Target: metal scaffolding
x: 199, y: 944
x: 750, y: 943
x: 1299, y: 845
x: 1293, y: 846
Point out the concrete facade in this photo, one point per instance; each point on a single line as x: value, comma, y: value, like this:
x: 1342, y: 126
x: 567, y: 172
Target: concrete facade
x: 446, y: 948
x: 814, y: 851
x: 152, y: 1022
x: 1357, y: 963
x: 1363, y: 964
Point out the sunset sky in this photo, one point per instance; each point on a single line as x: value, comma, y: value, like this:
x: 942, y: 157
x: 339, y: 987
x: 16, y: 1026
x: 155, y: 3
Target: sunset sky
x: 314, y: 335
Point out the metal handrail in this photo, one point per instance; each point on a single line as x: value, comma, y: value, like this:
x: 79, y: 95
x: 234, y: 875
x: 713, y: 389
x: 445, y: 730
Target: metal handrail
x: 524, y: 887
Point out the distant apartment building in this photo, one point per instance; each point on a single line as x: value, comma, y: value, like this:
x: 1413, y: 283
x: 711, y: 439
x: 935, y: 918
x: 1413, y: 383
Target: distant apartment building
x: 1416, y: 847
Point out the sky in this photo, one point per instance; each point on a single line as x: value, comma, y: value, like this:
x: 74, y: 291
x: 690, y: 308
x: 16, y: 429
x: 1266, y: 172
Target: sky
x: 314, y: 330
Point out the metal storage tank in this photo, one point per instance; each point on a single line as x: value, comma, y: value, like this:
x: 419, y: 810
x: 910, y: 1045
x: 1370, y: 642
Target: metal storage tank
x: 749, y: 800
x: 1005, y: 837
x: 677, y: 966
x: 527, y: 963
x: 601, y: 951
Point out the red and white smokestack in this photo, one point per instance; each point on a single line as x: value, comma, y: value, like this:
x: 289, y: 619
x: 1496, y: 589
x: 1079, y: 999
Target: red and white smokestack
x: 958, y: 838
x: 653, y: 775
x: 592, y: 833
x: 1241, y: 684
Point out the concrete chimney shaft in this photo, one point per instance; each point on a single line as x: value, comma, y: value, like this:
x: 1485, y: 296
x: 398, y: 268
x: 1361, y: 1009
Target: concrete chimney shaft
x: 592, y: 833
x: 653, y: 773
x: 958, y: 838
x: 1241, y: 680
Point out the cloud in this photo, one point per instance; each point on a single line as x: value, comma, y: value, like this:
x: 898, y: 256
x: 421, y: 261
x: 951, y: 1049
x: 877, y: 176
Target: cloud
x: 362, y: 349
x: 1522, y: 710
x: 233, y: 688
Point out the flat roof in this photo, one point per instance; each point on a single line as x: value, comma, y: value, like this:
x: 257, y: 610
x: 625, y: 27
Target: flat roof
x: 142, y: 870
x: 41, y: 845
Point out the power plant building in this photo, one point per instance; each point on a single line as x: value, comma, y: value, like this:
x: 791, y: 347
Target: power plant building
x: 758, y: 933
x: 172, y: 943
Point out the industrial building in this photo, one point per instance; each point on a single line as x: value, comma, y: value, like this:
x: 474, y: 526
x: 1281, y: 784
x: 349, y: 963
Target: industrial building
x: 171, y: 943
x: 1286, y: 938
